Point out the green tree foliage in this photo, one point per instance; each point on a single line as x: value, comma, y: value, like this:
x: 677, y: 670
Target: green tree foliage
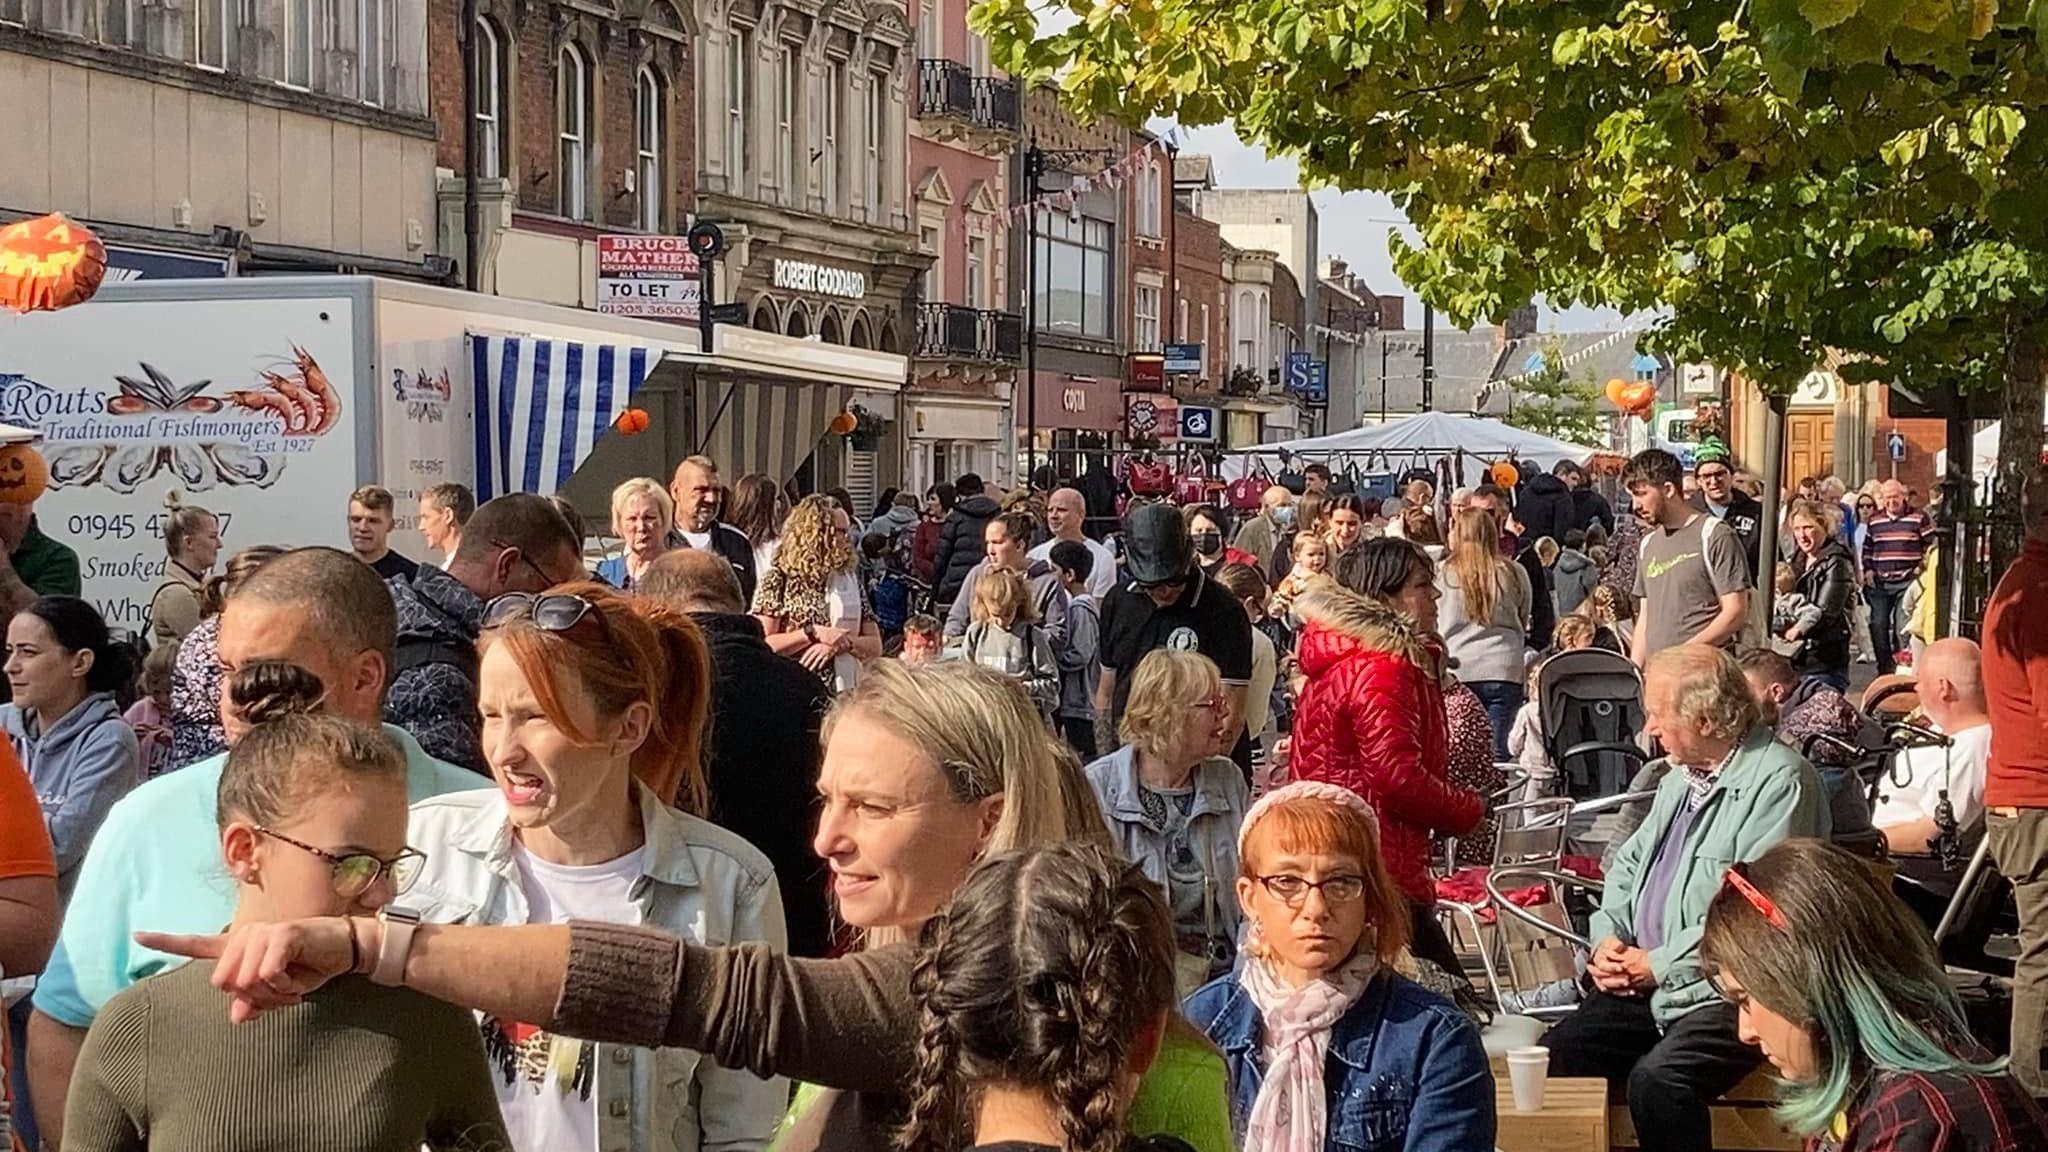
x: 1781, y: 176
x: 1555, y: 402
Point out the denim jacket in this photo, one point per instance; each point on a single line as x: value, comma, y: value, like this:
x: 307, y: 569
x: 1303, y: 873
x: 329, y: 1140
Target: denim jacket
x: 701, y: 883
x: 1220, y: 802
x: 1406, y: 1071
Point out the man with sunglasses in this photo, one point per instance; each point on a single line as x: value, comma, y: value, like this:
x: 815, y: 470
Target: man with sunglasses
x: 156, y: 860
x: 1166, y: 602
x: 515, y: 543
x: 1714, y: 469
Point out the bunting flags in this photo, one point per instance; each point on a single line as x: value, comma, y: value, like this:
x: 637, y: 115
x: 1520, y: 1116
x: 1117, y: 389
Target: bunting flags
x: 1111, y: 177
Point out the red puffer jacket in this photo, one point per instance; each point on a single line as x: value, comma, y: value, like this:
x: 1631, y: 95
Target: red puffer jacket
x: 1371, y: 718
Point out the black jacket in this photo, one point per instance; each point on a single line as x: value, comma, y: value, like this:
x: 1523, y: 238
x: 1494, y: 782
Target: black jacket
x: 961, y: 546
x: 763, y: 764
x: 1542, y: 607
x: 1746, y: 516
x: 1589, y: 505
x: 1828, y: 580
x: 732, y: 544
x: 1546, y: 509
x: 433, y: 683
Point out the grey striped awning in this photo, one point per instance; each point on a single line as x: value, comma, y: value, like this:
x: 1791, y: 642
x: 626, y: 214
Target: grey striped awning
x: 752, y: 424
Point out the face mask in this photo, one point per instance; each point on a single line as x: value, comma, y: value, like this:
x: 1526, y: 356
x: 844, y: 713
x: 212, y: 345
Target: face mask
x: 1208, y: 543
x: 1283, y: 515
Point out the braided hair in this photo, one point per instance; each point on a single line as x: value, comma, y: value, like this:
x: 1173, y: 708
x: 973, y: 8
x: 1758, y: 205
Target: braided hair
x: 1040, y: 974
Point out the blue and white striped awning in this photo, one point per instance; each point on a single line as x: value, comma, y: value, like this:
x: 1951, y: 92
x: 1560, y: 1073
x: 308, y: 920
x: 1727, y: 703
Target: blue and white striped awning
x: 541, y: 405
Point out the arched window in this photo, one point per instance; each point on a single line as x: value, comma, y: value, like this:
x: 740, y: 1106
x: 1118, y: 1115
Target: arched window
x: 828, y: 328
x: 572, y: 132
x: 764, y: 317
x: 798, y: 324
x: 1148, y: 199
x: 491, y: 104
x: 1247, y: 330
x: 651, y: 103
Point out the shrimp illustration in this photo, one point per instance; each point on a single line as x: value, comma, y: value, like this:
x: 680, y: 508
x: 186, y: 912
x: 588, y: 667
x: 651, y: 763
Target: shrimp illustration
x: 257, y: 400
x: 323, y: 394
x: 301, y: 398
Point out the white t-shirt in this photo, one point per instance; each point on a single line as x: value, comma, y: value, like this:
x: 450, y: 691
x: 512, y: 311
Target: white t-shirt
x: 547, y: 1084
x: 697, y: 539
x: 1101, y: 578
x: 1921, y: 771
x: 764, y: 555
x: 842, y: 601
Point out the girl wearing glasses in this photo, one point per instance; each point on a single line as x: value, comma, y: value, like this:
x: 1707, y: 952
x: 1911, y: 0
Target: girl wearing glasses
x: 594, y: 709
x: 312, y: 823
x: 1174, y: 804
x: 1328, y: 1045
x: 1840, y: 987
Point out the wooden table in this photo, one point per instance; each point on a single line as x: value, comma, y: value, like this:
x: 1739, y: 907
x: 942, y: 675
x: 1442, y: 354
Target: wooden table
x: 1573, y: 1119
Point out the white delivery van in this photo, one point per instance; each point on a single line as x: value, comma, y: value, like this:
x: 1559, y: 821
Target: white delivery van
x: 267, y: 400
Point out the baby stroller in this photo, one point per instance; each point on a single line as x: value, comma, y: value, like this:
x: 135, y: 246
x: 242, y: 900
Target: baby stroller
x: 1589, y: 704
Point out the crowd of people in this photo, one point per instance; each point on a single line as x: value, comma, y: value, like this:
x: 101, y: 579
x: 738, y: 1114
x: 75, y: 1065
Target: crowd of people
x: 976, y: 820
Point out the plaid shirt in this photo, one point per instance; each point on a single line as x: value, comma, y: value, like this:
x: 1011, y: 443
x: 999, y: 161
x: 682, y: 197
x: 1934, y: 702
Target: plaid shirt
x: 1942, y: 1112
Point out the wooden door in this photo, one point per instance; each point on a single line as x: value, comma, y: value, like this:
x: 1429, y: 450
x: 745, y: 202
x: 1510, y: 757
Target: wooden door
x: 1809, y: 445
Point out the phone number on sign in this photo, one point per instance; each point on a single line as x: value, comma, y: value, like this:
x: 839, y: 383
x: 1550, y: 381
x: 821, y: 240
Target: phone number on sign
x: 124, y: 525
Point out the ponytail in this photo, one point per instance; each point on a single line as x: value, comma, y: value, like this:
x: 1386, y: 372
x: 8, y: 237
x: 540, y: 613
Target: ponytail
x: 671, y: 759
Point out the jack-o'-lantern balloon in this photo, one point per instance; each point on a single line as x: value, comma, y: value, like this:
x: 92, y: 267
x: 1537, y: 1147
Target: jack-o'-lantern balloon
x: 843, y: 423
x: 49, y: 263
x: 1504, y: 474
x: 23, y: 474
x: 631, y: 422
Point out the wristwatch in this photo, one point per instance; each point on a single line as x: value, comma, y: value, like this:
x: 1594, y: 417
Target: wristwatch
x: 811, y: 633
x: 395, y: 946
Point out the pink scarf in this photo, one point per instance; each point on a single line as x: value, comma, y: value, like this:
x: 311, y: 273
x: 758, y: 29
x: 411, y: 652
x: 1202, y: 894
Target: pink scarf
x: 1289, y: 1114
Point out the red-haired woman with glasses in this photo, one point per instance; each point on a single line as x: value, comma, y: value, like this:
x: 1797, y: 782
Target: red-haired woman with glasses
x: 1838, y: 984
x: 594, y: 708
x: 312, y: 823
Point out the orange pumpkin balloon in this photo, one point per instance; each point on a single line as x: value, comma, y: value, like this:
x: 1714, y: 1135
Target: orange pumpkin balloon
x: 49, y: 263
x: 843, y: 423
x: 23, y: 474
x: 1504, y: 474
x: 631, y: 422
x: 1615, y: 388
x: 1637, y: 398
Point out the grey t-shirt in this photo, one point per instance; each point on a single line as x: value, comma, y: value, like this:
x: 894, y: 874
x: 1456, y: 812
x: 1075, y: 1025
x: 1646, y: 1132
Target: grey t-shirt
x: 1683, y: 575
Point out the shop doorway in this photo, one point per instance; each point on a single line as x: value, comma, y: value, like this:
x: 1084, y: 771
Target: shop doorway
x: 1809, y: 445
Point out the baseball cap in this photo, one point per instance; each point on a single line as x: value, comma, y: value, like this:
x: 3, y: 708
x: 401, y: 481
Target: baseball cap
x: 1156, y: 545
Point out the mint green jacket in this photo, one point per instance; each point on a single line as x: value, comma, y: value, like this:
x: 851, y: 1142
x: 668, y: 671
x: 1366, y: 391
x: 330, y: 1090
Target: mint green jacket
x: 1766, y: 794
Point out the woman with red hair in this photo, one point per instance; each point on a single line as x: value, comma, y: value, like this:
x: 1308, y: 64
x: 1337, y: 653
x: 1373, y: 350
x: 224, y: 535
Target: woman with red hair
x: 594, y: 707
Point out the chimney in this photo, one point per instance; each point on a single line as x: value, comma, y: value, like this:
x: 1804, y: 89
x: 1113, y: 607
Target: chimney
x: 1337, y: 269
x: 1521, y: 322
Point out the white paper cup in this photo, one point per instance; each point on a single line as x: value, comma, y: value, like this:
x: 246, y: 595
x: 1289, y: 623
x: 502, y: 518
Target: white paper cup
x: 1528, y: 1069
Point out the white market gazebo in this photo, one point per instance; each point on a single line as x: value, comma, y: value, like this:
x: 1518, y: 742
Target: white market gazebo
x: 1425, y: 436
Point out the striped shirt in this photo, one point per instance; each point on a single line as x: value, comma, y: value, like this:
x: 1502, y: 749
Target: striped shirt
x: 1893, y: 546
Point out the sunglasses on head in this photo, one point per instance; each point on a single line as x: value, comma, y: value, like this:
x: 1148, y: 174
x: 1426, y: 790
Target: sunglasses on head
x: 549, y: 612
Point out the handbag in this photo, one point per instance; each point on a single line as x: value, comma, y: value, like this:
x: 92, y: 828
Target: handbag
x: 1150, y: 477
x: 1244, y: 493
x: 1193, y: 485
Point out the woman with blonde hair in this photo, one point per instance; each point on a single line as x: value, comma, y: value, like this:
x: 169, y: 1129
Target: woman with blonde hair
x: 1485, y: 614
x: 810, y: 601
x: 195, y: 672
x: 927, y: 770
x: 642, y: 511
x: 1173, y: 802
x: 191, y: 544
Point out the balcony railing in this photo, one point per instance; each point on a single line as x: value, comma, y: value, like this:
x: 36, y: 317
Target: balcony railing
x: 948, y: 89
x: 956, y: 332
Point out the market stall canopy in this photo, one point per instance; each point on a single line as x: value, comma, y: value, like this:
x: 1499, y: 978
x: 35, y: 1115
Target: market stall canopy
x: 1423, y: 434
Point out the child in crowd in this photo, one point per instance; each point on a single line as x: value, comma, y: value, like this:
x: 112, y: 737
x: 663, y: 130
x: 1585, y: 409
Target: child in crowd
x: 1574, y: 574
x: 924, y: 639
x: 1311, y: 556
x: 312, y: 819
x: 1080, y: 658
x: 1525, y: 739
x: 1004, y: 637
x: 1266, y: 699
x: 889, y: 586
x: 1793, y: 616
x: 150, y: 715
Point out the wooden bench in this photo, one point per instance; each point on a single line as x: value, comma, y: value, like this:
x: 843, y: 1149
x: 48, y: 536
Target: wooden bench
x: 1742, y: 1118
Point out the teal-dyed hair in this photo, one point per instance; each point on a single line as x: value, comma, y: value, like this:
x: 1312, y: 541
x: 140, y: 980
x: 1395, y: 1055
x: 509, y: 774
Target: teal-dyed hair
x: 1853, y: 965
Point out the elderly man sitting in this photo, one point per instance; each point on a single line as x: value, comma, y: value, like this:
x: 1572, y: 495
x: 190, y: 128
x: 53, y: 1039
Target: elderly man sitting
x: 1653, y: 1025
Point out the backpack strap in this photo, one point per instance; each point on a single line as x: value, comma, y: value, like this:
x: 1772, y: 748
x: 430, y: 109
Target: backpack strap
x: 413, y: 654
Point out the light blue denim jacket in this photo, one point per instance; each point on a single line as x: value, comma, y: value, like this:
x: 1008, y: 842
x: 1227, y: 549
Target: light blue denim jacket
x: 1406, y: 1070
x: 701, y: 883
x: 1220, y: 802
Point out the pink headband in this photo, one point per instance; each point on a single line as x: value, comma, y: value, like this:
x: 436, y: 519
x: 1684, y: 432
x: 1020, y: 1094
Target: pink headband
x: 1305, y: 790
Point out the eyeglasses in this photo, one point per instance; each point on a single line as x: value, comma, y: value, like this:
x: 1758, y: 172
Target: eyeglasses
x: 1293, y: 890
x: 356, y: 872
x: 1757, y: 900
x: 550, y: 612
x: 501, y: 546
x: 1866, y: 506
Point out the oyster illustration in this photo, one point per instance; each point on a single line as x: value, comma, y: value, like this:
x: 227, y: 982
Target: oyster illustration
x: 133, y: 464
x: 239, y: 465
x: 78, y: 464
x: 193, y: 469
